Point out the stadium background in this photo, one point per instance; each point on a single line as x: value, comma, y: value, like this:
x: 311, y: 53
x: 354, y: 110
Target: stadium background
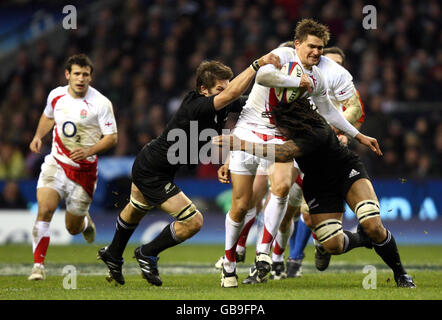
x: 145, y: 54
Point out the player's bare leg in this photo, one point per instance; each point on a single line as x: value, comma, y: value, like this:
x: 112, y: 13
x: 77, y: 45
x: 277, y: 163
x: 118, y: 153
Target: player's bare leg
x: 127, y: 222
x: 188, y: 222
x: 363, y: 201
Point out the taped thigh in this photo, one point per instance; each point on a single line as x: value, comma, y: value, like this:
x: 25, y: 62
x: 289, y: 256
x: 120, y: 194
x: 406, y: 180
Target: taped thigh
x: 328, y: 229
x: 139, y: 205
x: 185, y: 214
x: 367, y: 209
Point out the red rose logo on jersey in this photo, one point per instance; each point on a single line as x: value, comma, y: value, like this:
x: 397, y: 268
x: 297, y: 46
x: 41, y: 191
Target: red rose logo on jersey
x: 83, y: 114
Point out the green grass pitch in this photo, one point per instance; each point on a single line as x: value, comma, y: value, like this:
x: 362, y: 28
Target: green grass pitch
x: 188, y: 273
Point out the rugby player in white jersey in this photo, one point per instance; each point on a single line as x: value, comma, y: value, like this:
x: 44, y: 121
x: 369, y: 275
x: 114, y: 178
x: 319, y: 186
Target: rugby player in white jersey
x: 83, y: 124
x: 255, y: 124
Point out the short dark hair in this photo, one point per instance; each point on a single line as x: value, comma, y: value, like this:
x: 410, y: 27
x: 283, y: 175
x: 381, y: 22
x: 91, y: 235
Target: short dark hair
x: 335, y: 50
x: 81, y: 60
x: 307, y: 27
x: 209, y: 71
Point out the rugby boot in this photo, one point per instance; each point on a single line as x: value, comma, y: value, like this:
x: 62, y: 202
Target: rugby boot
x: 404, y: 281
x: 149, y: 267
x: 294, y: 268
x: 322, y: 258
x: 114, y: 265
x: 253, y: 277
x: 278, y: 271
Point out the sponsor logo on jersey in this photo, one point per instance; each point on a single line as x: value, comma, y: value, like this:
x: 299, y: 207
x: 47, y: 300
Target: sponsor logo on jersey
x: 353, y: 173
x: 266, y: 114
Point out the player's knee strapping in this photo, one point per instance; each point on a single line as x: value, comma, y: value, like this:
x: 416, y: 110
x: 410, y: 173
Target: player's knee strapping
x: 367, y: 209
x: 139, y: 205
x: 185, y: 214
x: 328, y: 229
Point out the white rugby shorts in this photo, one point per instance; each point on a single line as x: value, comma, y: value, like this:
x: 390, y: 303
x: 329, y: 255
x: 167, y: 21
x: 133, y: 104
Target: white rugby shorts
x: 52, y: 176
x: 244, y: 163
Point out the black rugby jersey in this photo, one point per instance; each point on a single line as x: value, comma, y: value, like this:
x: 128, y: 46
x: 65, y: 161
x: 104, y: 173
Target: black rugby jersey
x: 180, y: 141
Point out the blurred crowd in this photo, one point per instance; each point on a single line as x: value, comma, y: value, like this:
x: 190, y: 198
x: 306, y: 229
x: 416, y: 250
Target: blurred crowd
x: 145, y: 54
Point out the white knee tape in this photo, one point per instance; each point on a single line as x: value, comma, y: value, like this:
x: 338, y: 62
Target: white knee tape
x: 139, y: 205
x: 185, y: 214
x: 328, y: 229
x: 367, y: 209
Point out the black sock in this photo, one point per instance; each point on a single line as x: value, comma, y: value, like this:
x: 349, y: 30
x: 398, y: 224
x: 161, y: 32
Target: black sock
x: 388, y: 251
x: 166, y: 239
x: 352, y: 240
x: 122, y: 235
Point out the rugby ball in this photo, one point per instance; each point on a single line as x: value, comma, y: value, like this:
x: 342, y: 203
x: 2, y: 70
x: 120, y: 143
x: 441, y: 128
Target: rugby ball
x: 288, y: 95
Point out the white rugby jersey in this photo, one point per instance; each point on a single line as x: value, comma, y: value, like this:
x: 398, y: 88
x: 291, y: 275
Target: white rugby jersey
x: 79, y: 122
x: 256, y: 114
x: 339, y: 81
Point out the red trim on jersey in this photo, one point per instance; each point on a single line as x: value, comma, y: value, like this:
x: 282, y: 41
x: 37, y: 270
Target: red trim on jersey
x: 54, y: 101
x: 267, y: 137
x: 299, y: 180
x: 273, y: 102
x: 85, y: 175
x: 362, y: 118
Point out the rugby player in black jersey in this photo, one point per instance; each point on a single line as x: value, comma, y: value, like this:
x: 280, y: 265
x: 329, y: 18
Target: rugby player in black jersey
x: 332, y: 174
x: 155, y: 166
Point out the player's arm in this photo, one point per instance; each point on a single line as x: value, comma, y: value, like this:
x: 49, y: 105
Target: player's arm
x: 285, y: 152
x: 272, y: 77
x: 45, y: 124
x: 240, y: 83
x: 353, y: 109
x: 108, y: 141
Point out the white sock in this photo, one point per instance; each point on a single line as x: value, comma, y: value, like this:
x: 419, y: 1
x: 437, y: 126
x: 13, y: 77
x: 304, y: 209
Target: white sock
x: 280, y: 243
x: 242, y: 240
x: 40, y: 232
x: 233, y: 230
x: 273, y: 215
